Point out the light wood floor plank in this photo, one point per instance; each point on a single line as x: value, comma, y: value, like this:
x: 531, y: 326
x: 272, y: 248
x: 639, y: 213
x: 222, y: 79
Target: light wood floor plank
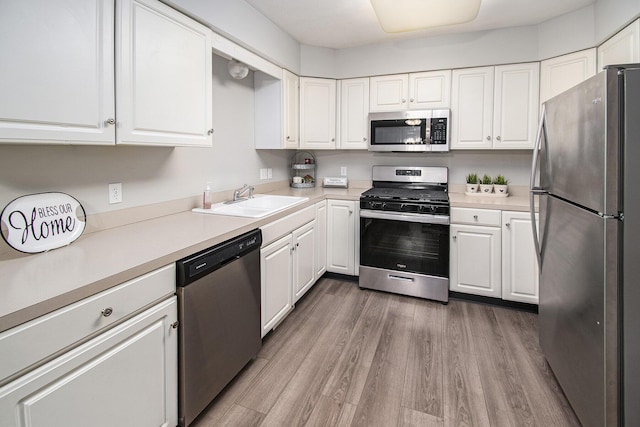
x: 380, y: 402
x: 350, y: 374
x: 411, y: 418
x: 240, y: 416
x: 297, y: 402
x: 329, y: 412
x: 423, y: 389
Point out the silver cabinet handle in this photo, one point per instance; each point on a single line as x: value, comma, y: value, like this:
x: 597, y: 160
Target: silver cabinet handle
x: 111, y: 122
x: 364, y: 139
x: 404, y: 100
x: 210, y: 132
x: 107, y: 312
x: 498, y: 137
x: 288, y: 138
x: 475, y: 217
x: 454, y: 237
x: 350, y: 212
x: 175, y: 325
x: 488, y: 138
x: 411, y: 100
x: 508, y: 225
x: 333, y: 140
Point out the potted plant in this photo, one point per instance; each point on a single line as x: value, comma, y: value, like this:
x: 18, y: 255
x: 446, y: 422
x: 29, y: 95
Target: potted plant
x: 500, y: 183
x: 486, y: 184
x: 472, y: 183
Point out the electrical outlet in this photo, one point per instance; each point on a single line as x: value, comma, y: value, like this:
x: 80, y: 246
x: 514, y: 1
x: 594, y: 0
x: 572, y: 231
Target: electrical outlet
x: 115, y: 193
x: 263, y: 173
x: 269, y: 173
x: 343, y: 171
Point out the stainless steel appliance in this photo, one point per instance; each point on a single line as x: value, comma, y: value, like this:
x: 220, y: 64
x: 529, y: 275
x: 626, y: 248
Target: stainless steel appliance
x: 589, y: 315
x: 219, y: 314
x: 404, y: 232
x: 412, y: 130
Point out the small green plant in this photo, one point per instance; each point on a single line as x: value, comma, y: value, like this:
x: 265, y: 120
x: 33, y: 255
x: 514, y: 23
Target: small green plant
x: 472, y: 178
x: 500, y: 180
x: 486, y: 179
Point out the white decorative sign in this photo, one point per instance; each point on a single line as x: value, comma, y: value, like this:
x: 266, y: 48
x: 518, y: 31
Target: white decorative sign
x: 40, y: 222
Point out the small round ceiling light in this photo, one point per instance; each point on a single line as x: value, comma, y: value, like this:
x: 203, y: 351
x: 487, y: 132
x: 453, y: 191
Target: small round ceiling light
x: 237, y: 69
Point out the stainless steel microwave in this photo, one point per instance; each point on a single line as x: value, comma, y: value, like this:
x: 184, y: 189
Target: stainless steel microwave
x: 410, y: 131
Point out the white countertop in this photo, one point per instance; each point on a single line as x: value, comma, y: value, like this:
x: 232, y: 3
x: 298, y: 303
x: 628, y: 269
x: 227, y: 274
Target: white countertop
x: 33, y: 285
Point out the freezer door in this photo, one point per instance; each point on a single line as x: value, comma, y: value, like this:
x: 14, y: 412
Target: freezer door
x: 572, y: 304
x: 579, y: 157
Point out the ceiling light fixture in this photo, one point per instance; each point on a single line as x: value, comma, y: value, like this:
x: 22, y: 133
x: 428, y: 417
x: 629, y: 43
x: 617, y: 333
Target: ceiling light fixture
x: 397, y: 16
x: 237, y: 69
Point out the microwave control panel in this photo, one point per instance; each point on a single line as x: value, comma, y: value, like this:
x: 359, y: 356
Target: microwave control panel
x: 438, y: 131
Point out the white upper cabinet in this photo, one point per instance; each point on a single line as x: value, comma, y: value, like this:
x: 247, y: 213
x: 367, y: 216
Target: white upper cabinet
x: 56, y: 80
x: 317, y: 113
x: 388, y: 93
x: 415, y: 91
x: 429, y: 90
x: 291, y: 106
x: 622, y: 48
x: 515, y: 105
x: 163, y: 76
x: 495, y: 107
x: 472, y: 108
x: 563, y: 72
x: 354, y: 114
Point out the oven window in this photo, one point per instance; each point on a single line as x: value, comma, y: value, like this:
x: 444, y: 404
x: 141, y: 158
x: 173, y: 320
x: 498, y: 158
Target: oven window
x: 405, y: 246
x: 397, y: 132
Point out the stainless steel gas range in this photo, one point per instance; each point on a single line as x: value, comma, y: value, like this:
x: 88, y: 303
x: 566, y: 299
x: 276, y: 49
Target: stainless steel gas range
x: 404, y: 232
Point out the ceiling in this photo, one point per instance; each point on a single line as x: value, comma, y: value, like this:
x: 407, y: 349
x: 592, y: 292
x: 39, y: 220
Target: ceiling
x: 340, y: 24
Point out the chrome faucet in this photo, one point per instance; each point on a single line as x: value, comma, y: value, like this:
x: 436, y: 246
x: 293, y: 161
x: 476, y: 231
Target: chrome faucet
x: 237, y: 194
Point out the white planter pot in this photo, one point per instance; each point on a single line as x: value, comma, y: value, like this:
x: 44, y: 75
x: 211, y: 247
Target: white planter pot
x: 486, y: 188
x: 472, y: 188
x: 500, y: 189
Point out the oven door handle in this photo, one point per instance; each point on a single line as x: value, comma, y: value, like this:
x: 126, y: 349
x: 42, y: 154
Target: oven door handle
x: 406, y: 217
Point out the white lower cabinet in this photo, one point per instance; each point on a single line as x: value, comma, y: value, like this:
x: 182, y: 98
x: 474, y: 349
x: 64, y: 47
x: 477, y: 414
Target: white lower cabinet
x: 475, y: 260
x: 124, y: 376
x: 342, y: 237
x: 520, y: 274
x: 276, y: 280
x: 288, y: 271
x: 321, y: 238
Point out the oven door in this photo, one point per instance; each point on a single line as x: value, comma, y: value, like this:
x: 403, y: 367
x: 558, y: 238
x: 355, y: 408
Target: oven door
x: 412, y: 243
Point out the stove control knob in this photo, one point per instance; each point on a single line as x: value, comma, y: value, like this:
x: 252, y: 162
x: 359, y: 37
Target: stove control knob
x: 432, y: 209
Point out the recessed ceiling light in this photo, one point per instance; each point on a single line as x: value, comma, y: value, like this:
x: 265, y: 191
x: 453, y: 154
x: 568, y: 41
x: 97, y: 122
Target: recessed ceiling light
x: 397, y: 16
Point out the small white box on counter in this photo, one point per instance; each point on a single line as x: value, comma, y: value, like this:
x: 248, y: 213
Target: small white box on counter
x: 335, y: 182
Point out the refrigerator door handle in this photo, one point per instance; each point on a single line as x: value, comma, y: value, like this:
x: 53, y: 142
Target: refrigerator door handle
x: 533, y: 190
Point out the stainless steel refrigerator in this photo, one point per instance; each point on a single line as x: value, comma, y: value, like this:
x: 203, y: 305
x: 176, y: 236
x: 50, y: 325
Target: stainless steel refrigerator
x: 588, y: 244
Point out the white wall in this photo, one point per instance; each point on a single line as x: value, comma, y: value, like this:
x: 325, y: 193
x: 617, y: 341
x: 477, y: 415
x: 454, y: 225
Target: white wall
x: 149, y: 174
x: 514, y: 165
x: 613, y: 15
x: 567, y: 33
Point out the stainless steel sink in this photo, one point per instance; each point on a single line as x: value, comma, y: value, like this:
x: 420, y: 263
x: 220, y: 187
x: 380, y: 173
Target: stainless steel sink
x: 259, y: 206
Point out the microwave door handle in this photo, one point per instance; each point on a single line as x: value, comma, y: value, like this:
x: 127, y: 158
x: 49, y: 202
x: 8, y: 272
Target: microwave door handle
x: 536, y: 191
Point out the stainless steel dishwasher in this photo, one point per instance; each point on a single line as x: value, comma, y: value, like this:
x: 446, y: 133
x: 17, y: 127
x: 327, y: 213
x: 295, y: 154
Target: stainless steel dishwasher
x: 219, y: 313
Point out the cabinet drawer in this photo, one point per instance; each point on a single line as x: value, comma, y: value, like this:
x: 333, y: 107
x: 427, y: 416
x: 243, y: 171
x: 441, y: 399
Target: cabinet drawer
x: 286, y: 225
x: 33, y: 341
x: 471, y: 216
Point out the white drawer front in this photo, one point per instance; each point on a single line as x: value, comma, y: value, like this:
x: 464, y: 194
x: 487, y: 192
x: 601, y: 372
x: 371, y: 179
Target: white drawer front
x: 471, y: 216
x: 278, y: 228
x: 33, y: 341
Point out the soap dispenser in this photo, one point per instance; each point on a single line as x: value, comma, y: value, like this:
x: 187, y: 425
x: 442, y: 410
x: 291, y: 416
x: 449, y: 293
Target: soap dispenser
x: 206, y: 197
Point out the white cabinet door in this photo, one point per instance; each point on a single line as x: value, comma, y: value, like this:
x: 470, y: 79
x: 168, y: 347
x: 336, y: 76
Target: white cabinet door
x: 563, y: 72
x: 354, y: 114
x: 304, y: 256
x: 472, y: 108
x: 519, y: 265
x: 163, y: 76
x: 317, y: 113
x: 276, y: 282
x: 291, y: 106
x: 388, y: 93
x: 341, y: 224
x: 57, y: 73
x: 126, y: 376
x: 515, y: 105
x: 321, y: 238
x: 429, y: 90
x: 475, y: 260
x: 622, y: 48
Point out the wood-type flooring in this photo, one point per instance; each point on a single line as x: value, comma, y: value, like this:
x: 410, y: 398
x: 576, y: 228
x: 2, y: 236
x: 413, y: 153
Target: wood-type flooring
x: 351, y: 357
